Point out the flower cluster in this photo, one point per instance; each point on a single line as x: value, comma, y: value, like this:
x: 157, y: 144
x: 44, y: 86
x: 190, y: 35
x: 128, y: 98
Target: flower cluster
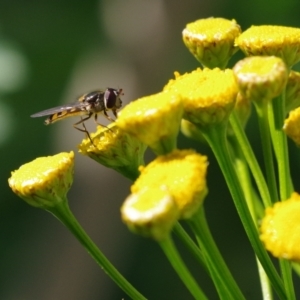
x: 212, y: 104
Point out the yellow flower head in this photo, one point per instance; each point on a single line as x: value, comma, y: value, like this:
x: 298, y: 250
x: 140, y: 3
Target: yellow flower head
x: 115, y: 149
x: 280, y: 229
x: 151, y: 213
x: 211, y: 40
x: 261, y: 78
x: 208, y: 95
x: 292, y: 91
x: 45, y: 181
x: 292, y: 126
x: 154, y: 120
x: 182, y: 174
x: 266, y: 40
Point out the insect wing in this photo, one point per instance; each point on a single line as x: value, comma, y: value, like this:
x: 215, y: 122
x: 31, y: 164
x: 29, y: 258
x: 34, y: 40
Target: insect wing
x: 58, y: 109
x: 62, y: 112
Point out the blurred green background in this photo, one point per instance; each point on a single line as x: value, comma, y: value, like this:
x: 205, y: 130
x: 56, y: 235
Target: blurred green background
x: 52, y: 52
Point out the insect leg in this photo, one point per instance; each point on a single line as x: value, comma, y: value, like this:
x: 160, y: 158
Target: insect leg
x: 100, y: 124
x: 107, y: 116
x: 83, y: 125
x: 115, y: 113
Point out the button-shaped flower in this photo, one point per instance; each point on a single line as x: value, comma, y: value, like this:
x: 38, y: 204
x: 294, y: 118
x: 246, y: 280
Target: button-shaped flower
x: 211, y: 40
x: 280, y: 229
x: 208, y: 95
x: 292, y: 126
x: 154, y: 120
x: 182, y: 174
x: 150, y: 213
x: 261, y: 78
x: 267, y: 40
x: 45, y: 181
x: 115, y: 149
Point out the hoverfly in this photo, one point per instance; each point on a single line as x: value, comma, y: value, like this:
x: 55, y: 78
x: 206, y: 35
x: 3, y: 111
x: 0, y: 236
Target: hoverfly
x: 87, y: 105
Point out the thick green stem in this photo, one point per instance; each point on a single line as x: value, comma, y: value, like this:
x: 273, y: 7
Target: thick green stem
x: 216, y: 137
x: 63, y: 213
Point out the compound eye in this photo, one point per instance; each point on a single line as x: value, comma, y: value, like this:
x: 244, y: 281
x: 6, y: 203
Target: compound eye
x: 110, y: 97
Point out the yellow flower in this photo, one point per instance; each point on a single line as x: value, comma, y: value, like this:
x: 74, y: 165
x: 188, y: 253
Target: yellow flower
x: 208, y: 95
x: 261, y: 78
x: 211, y: 40
x: 292, y: 126
x: 280, y: 229
x: 292, y: 92
x: 154, y: 120
x: 150, y: 213
x: 182, y: 174
x: 115, y: 149
x: 266, y: 40
x: 45, y: 181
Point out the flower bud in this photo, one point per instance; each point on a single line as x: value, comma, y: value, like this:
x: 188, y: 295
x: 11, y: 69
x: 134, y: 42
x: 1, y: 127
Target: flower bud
x: 208, y: 95
x: 261, y: 78
x: 154, y: 120
x: 45, y: 181
x: 211, y: 41
x: 268, y: 40
x: 182, y: 174
x: 115, y: 149
x: 150, y: 213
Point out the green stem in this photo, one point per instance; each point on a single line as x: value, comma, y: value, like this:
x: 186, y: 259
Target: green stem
x: 169, y: 249
x: 264, y: 281
x: 263, y: 121
x: 245, y: 146
x: 216, y: 137
x: 190, y: 244
x: 241, y: 168
x: 276, y: 114
x: 223, y: 280
x: 286, y: 273
x: 63, y: 213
